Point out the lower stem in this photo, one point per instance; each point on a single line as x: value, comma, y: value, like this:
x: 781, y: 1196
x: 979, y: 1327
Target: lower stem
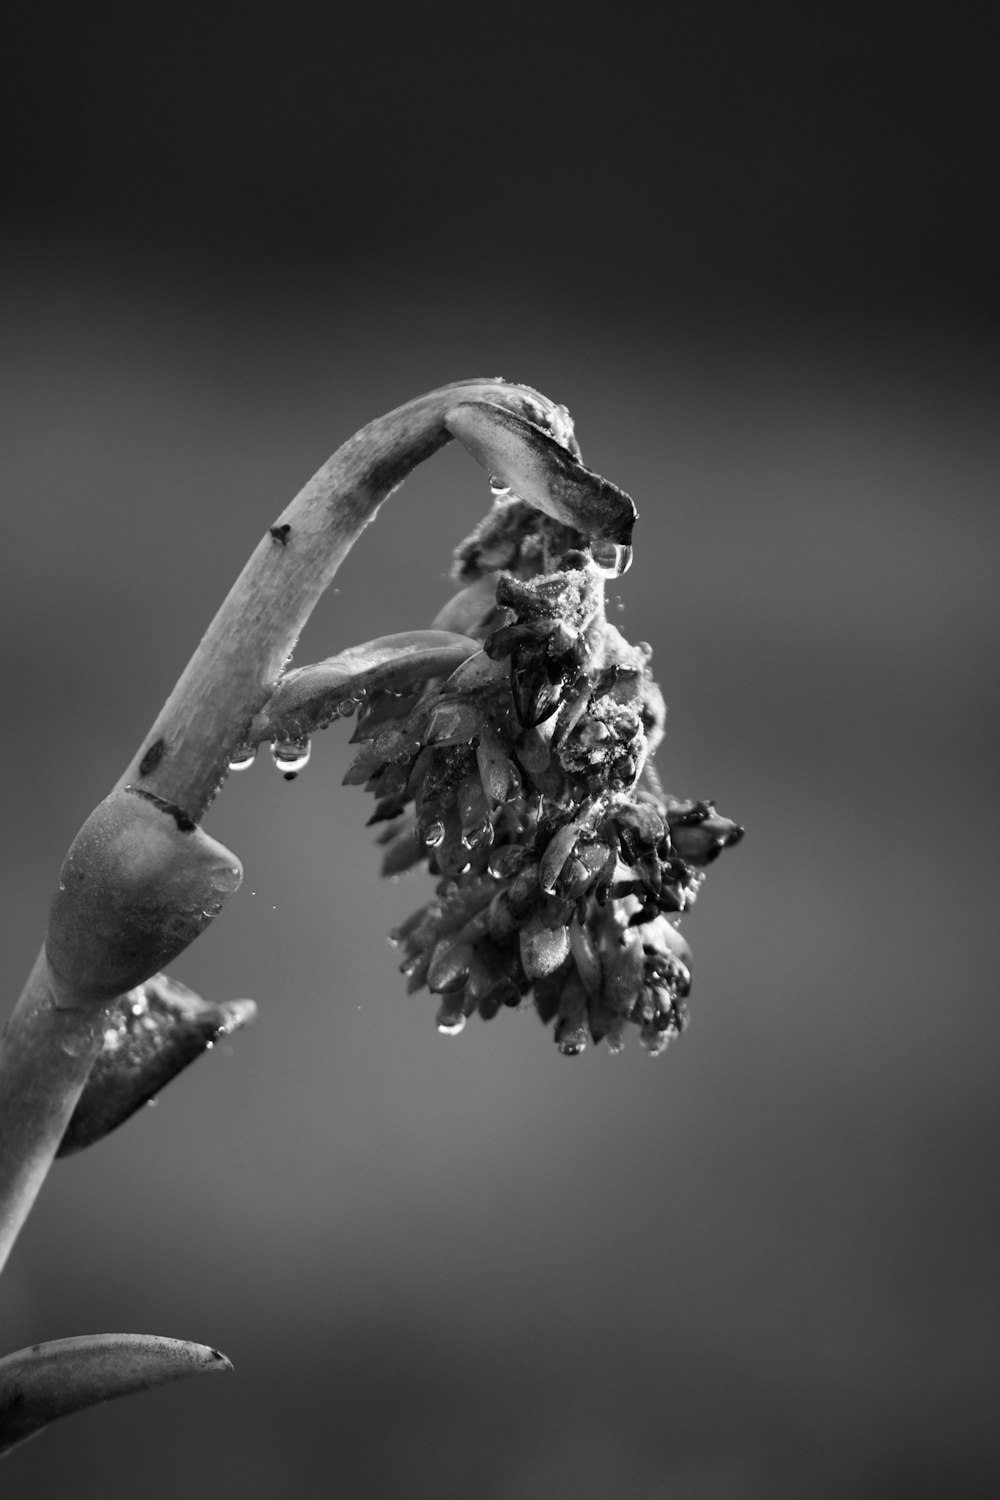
x: 45, y: 1059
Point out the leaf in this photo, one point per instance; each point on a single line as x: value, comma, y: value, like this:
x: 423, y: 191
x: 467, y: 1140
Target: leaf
x: 309, y: 697
x: 154, y: 1032
x: 542, y: 471
x: 47, y: 1381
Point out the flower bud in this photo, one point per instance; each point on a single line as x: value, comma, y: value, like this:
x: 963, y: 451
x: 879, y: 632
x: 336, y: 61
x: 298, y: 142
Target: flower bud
x: 697, y: 832
x: 543, y: 948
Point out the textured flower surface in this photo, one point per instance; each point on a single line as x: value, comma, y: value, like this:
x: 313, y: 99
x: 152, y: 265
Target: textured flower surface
x: 524, y: 779
x: 510, y: 748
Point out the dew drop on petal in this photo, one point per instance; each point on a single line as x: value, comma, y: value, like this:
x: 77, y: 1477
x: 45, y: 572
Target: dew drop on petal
x: 572, y: 1045
x: 291, y: 756
x: 611, y: 559
x: 434, y: 835
x: 451, y: 1025
x: 242, y: 757
x: 346, y: 707
x: 498, y: 489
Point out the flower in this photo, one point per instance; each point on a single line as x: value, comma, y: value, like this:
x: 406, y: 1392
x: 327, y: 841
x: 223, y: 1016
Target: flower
x: 524, y: 779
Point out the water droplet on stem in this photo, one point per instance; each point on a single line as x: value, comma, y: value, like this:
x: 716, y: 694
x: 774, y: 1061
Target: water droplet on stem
x: 242, y: 757
x: 291, y: 756
x: 611, y: 559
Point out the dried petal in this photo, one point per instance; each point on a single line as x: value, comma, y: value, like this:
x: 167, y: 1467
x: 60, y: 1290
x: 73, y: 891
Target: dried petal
x: 543, y: 948
x: 540, y: 470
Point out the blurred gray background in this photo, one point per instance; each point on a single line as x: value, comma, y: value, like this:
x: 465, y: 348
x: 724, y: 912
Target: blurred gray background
x: 750, y: 248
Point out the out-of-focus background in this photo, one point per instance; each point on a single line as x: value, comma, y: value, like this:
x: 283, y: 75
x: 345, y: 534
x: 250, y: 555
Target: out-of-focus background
x: 751, y: 248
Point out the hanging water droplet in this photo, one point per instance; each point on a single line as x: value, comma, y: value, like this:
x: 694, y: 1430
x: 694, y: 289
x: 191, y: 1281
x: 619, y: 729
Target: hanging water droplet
x: 242, y: 757
x: 346, y: 707
x: 291, y: 756
x: 433, y: 835
x: 450, y: 1025
x: 572, y: 1044
x: 479, y: 836
x: 611, y: 559
x: 498, y: 489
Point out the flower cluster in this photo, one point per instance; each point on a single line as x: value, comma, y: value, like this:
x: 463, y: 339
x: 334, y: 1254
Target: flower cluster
x: 524, y: 780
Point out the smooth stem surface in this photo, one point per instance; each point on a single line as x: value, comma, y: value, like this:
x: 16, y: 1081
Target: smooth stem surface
x: 44, y: 1059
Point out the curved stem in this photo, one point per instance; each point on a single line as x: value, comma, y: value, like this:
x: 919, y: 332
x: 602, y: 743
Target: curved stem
x: 232, y: 673
x: 46, y: 1053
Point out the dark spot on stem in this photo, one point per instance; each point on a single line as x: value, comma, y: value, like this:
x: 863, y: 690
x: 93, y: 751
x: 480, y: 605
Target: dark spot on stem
x: 152, y: 757
x: 184, y: 820
x: 281, y: 533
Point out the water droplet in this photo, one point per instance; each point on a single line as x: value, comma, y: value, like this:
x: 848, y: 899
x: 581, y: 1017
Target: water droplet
x: 346, y: 707
x: 451, y: 1025
x: 242, y: 757
x: 291, y: 756
x: 152, y: 1103
x: 433, y: 835
x: 572, y: 1045
x: 498, y: 489
x: 611, y: 559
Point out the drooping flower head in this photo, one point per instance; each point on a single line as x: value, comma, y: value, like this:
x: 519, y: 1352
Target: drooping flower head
x: 510, y: 749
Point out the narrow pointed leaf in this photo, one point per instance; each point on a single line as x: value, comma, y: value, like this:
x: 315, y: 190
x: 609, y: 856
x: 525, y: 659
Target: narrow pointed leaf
x: 541, y: 471
x: 152, y: 1034
x: 309, y: 697
x: 47, y: 1381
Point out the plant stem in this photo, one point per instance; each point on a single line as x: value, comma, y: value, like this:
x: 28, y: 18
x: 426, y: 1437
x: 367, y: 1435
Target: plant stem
x: 46, y: 1058
x: 245, y: 649
x: 46, y: 1052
